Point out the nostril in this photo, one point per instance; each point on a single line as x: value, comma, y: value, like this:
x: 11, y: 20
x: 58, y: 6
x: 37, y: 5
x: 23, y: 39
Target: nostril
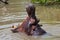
x: 33, y: 29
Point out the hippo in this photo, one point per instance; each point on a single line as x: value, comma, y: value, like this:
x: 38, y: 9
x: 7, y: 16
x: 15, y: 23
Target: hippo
x: 30, y: 25
x: 4, y: 1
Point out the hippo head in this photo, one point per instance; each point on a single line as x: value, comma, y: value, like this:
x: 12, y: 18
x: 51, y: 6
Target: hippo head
x: 37, y: 30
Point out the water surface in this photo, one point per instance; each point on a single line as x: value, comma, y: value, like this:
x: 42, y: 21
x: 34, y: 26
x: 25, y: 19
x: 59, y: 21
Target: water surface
x: 15, y: 13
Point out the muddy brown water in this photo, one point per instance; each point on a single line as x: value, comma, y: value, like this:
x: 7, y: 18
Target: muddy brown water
x: 15, y: 13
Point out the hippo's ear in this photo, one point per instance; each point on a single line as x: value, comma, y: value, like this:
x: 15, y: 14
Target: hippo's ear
x: 38, y: 20
x: 41, y: 25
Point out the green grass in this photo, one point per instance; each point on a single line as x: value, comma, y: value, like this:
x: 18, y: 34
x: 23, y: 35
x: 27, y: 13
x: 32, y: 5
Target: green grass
x: 44, y: 1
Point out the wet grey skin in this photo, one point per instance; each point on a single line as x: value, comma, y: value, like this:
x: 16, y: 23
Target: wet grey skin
x: 31, y: 13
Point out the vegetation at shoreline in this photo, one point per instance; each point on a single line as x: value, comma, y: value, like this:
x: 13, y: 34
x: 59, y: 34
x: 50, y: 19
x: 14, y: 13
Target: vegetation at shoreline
x: 46, y: 2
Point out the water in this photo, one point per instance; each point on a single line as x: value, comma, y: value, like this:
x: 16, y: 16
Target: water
x: 15, y: 12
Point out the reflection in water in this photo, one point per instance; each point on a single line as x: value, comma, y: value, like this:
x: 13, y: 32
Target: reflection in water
x: 4, y: 10
x: 7, y: 16
x: 14, y: 13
